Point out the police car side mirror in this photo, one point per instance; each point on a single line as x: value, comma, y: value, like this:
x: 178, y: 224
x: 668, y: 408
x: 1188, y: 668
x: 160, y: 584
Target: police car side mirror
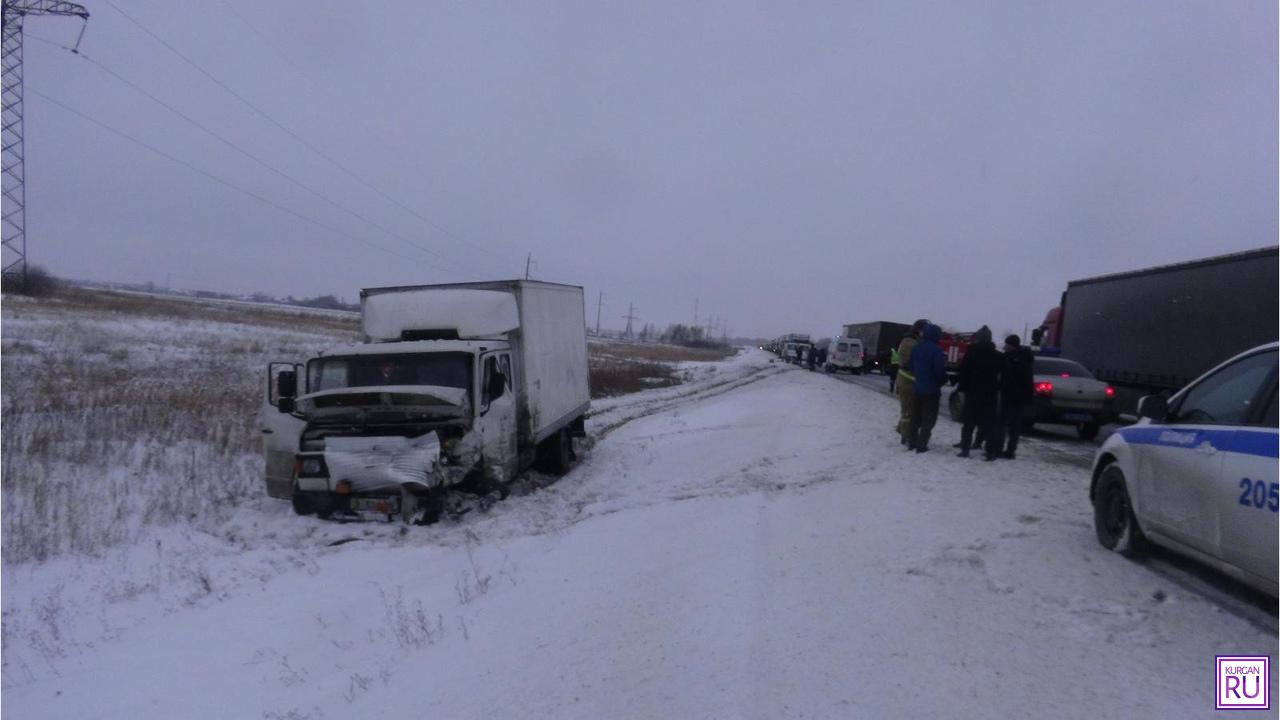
x: 1154, y: 407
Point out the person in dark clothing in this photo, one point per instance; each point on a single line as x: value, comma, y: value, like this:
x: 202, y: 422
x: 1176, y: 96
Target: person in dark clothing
x: 811, y: 357
x: 1017, y: 390
x: 980, y: 372
x: 929, y: 367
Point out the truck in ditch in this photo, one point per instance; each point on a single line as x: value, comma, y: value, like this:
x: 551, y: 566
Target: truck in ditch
x: 458, y: 386
x: 1156, y: 329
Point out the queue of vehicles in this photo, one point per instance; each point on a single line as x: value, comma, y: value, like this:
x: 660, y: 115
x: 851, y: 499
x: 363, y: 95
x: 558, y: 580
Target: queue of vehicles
x: 1198, y: 472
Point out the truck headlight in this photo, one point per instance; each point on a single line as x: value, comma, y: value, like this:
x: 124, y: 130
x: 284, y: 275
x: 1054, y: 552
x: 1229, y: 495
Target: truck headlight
x: 312, y: 467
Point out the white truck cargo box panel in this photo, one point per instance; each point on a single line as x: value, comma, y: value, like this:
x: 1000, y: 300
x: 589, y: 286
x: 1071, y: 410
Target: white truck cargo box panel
x: 552, y: 339
x: 473, y: 313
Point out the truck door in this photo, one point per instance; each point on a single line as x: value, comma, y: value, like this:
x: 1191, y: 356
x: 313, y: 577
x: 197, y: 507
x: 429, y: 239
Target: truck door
x: 497, y: 417
x: 281, y: 431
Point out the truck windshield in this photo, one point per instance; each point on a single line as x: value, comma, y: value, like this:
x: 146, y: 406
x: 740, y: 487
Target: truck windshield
x: 1059, y: 366
x: 441, y: 369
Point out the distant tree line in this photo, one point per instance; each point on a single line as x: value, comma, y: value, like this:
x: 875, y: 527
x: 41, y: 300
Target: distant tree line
x: 689, y: 336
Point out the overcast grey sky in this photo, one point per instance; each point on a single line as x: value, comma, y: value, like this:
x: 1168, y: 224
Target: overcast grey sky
x: 795, y: 166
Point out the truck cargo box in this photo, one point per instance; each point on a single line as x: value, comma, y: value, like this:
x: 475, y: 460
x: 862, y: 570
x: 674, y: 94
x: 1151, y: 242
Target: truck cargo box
x: 544, y: 322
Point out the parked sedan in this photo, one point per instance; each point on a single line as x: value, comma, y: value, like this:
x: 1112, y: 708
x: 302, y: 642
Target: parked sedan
x: 1065, y: 394
x: 1198, y: 473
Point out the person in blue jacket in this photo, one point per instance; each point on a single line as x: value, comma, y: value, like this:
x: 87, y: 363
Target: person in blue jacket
x: 929, y: 366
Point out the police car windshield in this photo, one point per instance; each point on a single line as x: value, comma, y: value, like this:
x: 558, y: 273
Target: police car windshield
x: 1060, y: 367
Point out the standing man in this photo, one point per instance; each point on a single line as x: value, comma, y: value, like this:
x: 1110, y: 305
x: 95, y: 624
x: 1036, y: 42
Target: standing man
x: 980, y: 372
x: 893, y: 369
x: 929, y: 366
x: 1017, y: 390
x: 906, y: 388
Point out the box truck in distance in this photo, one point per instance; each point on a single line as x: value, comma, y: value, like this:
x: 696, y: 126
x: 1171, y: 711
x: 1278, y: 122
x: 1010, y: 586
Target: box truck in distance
x: 456, y: 386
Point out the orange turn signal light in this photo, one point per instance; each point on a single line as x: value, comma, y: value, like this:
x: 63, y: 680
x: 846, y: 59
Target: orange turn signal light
x: 343, y: 487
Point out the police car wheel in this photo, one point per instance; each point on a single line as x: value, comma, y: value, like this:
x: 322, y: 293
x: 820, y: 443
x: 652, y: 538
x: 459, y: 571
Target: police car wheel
x: 1113, y: 515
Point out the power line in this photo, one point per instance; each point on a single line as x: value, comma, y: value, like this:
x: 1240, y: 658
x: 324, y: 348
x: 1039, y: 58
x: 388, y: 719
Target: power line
x: 215, y: 178
x: 263, y: 163
x: 262, y: 113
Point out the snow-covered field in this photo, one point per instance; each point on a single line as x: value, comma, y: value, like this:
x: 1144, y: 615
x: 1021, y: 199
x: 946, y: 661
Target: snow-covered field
x: 752, y: 543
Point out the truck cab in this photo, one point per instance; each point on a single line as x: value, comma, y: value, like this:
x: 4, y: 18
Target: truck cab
x: 456, y: 387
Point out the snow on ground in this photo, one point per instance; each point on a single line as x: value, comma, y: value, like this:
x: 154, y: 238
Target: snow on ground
x: 752, y: 544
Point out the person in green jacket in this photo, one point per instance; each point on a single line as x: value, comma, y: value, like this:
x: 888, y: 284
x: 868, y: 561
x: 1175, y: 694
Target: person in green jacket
x: 906, y: 389
x: 892, y: 372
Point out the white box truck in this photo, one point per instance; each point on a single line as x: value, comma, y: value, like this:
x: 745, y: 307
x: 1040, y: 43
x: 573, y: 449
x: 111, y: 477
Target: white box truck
x: 456, y: 386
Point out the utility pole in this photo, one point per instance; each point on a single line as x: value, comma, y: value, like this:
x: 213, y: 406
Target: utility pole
x: 695, y: 312
x: 629, y: 317
x: 13, y: 234
x: 599, y: 306
x: 527, y: 262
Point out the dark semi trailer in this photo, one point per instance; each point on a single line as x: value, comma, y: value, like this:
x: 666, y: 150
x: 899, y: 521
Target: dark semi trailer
x: 1157, y: 329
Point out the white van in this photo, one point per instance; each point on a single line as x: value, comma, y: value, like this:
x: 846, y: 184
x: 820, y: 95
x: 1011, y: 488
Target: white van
x: 845, y: 353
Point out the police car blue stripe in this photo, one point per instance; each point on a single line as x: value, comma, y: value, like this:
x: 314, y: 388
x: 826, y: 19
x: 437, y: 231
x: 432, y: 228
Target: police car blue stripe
x: 1263, y: 442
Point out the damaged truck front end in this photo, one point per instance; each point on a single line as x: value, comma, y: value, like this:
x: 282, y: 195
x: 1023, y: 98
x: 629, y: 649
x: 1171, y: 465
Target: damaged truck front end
x: 388, y: 434
x: 390, y: 453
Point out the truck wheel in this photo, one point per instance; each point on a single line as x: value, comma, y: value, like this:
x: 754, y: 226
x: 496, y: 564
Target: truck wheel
x: 557, y: 453
x: 1113, y: 518
x: 302, y: 505
x: 1087, y: 431
x: 956, y: 406
x: 432, y: 506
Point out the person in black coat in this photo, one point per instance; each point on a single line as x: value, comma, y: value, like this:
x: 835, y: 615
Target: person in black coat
x: 1017, y: 390
x: 980, y: 373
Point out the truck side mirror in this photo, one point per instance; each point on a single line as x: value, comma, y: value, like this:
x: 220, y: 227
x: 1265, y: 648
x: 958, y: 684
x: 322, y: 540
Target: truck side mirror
x: 285, y: 405
x: 286, y: 385
x: 497, y: 386
x: 1154, y: 407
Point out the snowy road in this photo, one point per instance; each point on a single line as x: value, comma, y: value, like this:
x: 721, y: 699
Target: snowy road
x: 754, y: 544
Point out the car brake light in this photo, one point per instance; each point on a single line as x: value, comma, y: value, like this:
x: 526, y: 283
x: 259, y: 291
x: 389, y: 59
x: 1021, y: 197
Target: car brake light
x: 1066, y: 374
x: 1110, y: 391
x: 1044, y: 388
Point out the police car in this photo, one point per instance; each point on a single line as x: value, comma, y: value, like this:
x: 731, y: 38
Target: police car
x: 1198, y: 473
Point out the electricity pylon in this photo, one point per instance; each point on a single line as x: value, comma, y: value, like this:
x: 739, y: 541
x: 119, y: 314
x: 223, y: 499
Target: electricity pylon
x: 13, y: 229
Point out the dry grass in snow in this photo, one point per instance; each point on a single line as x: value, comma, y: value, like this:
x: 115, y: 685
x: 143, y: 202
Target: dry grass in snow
x: 126, y: 411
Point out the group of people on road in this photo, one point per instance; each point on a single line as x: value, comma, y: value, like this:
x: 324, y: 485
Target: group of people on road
x: 995, y: 386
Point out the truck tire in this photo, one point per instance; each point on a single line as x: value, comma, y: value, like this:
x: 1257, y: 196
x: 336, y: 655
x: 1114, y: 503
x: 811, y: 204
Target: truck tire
x: 556, y: 453
x: 432, y: 506
x: 1113, y: 518
x: 303, y: 505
